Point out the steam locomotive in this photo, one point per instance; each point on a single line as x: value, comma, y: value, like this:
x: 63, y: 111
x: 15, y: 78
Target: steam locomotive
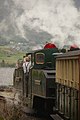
x: 50, y: 90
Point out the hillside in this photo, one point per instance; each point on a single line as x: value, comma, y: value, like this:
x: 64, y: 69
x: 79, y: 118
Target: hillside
x: 8, y: 56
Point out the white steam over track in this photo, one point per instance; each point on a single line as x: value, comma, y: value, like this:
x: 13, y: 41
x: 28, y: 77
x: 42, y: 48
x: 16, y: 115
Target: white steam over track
x: 60, y: 18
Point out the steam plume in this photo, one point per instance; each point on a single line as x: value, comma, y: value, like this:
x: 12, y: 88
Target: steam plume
x: 60, y: 18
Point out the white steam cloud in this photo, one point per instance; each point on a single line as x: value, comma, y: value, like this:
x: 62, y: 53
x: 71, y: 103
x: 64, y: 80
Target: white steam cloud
x: 60, y: 18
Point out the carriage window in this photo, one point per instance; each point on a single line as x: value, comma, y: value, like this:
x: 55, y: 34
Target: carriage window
x: 40, y: 58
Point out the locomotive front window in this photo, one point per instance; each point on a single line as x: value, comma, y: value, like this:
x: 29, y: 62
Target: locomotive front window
x: 40, y: 58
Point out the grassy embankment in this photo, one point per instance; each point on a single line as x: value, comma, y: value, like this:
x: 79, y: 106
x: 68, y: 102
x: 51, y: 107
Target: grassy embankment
x: 9, y: 56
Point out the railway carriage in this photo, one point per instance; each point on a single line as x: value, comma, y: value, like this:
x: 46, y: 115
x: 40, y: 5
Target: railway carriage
x: 68, y: 84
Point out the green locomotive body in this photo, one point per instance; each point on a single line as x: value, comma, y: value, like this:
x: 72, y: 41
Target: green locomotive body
x: 41, y: 84
x: 42, y: 87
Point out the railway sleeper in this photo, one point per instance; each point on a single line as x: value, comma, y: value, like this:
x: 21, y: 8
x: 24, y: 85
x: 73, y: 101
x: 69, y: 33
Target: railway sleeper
x: 56, y: 117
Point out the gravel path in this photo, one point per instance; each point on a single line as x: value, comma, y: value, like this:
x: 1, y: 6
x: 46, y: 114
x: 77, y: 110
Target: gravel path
x: 11, y: 108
